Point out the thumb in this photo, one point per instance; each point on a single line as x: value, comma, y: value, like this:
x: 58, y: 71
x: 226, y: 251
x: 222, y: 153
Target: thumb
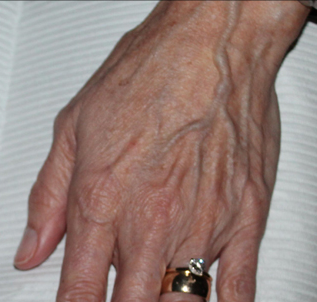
x: 46, y: 222
x: 236, y: 276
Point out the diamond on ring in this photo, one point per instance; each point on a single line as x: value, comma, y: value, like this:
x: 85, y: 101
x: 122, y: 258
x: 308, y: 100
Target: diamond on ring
x: 191, y: 279
x: 197, y: 266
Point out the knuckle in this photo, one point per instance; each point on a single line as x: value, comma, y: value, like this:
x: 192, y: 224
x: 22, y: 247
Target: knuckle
x: 61, y: 118
x: 133, y: 32
x: 239, y: 286
x: 257, y: 197
x: 162, y: 208
x: 126, y: 38
x: 97, y: 199
x: 64, y: 133
x: 128, y: 34
x: 82, y: 291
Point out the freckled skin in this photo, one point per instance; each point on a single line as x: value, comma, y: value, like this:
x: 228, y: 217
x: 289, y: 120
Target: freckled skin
x: 169, y: 152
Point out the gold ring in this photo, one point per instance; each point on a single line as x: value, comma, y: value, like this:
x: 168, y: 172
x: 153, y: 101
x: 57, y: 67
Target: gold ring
x: 187, y: 280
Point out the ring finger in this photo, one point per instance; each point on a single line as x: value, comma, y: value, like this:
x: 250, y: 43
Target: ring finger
x: 189, y: 288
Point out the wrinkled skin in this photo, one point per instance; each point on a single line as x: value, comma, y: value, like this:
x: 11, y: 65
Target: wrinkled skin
x: 169, y: 152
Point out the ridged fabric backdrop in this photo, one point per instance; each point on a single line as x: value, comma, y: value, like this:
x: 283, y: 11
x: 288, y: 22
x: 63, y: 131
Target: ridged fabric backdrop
x: 47, y: 52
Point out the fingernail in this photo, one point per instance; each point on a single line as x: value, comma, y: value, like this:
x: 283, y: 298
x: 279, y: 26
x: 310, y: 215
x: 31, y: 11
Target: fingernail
x: 27, y: 246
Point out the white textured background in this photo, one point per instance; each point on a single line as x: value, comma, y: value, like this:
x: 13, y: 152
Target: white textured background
x: 9, y: 20
x: 54, y: 47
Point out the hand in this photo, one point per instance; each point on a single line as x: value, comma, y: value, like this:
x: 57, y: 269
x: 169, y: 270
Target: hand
x: 169, y: 152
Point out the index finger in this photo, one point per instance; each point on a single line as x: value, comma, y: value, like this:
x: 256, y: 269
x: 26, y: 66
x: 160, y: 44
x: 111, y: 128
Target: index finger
x: 90, y: 241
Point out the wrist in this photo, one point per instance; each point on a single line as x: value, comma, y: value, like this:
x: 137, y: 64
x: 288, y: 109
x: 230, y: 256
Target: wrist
x: 282, y: 21
x: 253, y: 28
x: 276, y: 17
